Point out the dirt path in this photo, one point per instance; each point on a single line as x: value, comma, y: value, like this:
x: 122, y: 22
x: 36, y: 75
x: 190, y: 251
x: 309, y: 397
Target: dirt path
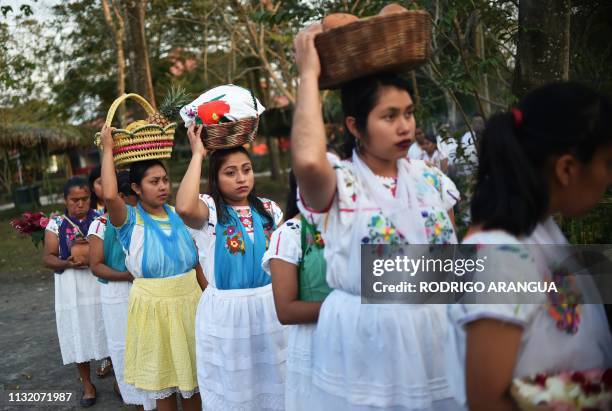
x: 30, y: 358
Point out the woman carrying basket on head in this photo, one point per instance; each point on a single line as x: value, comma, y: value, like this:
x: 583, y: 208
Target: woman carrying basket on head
x: 370, y: 356
x: 162, y: 257
x: 240, y: 343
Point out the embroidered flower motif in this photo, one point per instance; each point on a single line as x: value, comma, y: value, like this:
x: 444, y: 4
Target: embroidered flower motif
x: 268, y: 230
x: 564, y: 306
x: 234, y: 243
x: 382, y: 232
x: 315, y: 240
x: 433, y: 179
x: 438, y: 227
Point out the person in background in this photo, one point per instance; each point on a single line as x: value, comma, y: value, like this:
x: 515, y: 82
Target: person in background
x: 107, y: 260
x: 551, y: 154
x: 296, y: 263
x: 78, y: 309
x: 415, y: 151
x: 95, y: 187
x: 430, y: 153
x: 162, y: 257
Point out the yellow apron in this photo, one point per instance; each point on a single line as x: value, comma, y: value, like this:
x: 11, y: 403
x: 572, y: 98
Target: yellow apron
x: 160, y: 340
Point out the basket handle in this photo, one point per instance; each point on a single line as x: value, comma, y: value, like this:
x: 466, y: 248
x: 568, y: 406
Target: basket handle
x: 113, y: 108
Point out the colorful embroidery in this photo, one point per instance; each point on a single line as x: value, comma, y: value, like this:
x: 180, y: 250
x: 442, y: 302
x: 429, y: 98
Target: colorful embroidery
x: 438, y: 227
x: 316, y: 240
x: 233, y: 240
x: 268, y: 229
x: 246, y: 218
x: 433, y: 179
x: 382, y: 232
x: 349, y: 182
x: 564, y: 305
x: 390, y: 184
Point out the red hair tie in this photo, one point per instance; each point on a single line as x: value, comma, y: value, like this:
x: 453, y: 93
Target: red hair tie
x: 518, y: 117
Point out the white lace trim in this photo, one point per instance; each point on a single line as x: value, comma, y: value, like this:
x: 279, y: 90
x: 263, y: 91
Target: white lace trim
x: 213, y: 401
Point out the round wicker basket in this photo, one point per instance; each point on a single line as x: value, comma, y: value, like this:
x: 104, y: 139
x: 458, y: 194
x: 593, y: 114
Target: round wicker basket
x: 146, y: 142
x: 394, y: 42
x: 231, y: 134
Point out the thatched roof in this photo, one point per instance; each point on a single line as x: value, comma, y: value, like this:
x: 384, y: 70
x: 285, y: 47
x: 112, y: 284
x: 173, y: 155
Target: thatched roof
x: 28, y: 135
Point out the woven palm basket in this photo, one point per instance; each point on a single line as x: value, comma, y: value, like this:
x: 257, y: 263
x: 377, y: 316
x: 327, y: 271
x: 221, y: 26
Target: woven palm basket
x: 146, y: 142
x: 394, y: 42
x: 231, y: 134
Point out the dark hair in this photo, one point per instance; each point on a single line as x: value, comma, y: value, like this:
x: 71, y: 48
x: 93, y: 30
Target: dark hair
x: 124, y: 184
x: 431, y: 137
x: 94, y: 174
x: 291, y: 209
x: 217, y: 158
x: 139, y: 169
x: 73, y: 182
x: 511, y: 191
x: 359, y: 98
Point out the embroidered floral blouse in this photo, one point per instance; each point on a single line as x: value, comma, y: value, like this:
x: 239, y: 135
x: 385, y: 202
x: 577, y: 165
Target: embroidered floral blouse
x: 354, y: 218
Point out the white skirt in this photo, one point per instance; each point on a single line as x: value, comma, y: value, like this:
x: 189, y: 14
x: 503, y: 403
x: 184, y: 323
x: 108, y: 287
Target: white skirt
x: 240, y: 350
x: 299, y: 368
x: 368, y: 357
x: 114, y: 296
x: 78, y: 315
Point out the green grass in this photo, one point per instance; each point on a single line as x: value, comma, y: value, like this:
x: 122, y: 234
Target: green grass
x: 19, y: 256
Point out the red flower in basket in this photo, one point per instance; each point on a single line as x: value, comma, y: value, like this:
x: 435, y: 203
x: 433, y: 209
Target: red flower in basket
x: 213, y: 111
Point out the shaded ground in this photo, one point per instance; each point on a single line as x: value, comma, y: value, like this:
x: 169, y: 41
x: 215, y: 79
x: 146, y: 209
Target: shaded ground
x: 31, y: 358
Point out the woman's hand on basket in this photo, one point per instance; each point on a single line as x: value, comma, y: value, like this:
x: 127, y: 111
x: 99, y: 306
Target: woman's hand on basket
x: 306, y: 55
x: 194, y: 133
x: 106, y: 137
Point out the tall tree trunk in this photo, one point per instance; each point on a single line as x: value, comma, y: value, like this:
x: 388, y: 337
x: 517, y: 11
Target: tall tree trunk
x: 117, y: 26
x: 543, y: 51
x: 255, y: 80
x: 479, y: 46
x: 137, y: 50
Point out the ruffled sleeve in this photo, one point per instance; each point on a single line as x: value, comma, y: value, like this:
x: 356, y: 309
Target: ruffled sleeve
x: 285, y: 244
x: 53, y: 225
x: 97, y: 228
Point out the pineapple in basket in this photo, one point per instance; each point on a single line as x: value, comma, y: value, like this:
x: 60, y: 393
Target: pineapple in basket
x: 170, y: 107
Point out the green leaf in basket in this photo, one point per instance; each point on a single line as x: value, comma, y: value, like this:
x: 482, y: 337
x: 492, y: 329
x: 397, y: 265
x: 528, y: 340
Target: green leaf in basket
x: 217, y: 98
x: 198, y: 121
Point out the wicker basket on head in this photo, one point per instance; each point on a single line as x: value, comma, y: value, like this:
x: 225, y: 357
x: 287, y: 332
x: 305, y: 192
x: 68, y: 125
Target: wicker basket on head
x: 231, y: 134
x: 145, y: 142
x: 394, y: 42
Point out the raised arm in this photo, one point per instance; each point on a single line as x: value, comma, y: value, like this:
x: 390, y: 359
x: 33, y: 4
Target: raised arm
x: 188, y: 205
x: 114, y: 203
x: 96, y: 262
x: 314, y: 174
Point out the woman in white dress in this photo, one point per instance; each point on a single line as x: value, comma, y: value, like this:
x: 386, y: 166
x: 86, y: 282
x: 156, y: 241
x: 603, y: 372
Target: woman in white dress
x: 78, y: 310
x: 533, y: 164
x: 107, y: 260
x: 296, y: 264
x: 370, y: 356
x: 240, y: 344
